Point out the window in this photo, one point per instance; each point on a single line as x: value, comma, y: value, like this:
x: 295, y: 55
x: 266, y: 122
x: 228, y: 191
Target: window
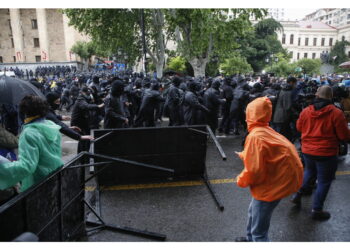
x: 315, y: 41
x: 298, y: 56
x: 1, y: 59
x: 34, y: 24
x: 330, y: 41
x: 291, y: 40
x: 349, y: 54
x: 305, y: 55
x: 10, y: 25
x: 306, y: 41
x: 299, y: 41
x: 36, y: 43
x: 323, y: 41
x: 343, y: 38
x: 283, y: 38
x: 313, y: 55
x: 38, y: 58
x: 348, y: 16
x: 291, y: 54
x: 14, y: 59
x: 12, y: 43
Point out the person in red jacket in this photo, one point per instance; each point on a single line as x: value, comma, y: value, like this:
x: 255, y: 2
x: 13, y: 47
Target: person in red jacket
x: 322, y: 127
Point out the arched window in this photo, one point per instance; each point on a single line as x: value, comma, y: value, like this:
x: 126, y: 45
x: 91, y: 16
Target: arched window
x: 291, y: 40
x: 284, y: 39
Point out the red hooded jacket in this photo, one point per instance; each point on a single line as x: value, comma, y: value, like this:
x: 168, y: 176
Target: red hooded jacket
x: 321, y: 130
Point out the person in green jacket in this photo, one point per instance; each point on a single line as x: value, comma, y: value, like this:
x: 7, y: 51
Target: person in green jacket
x: 39, y: 148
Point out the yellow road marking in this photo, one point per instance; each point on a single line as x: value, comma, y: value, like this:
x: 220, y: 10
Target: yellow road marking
x: 173, y: 184
x: 343, y: 173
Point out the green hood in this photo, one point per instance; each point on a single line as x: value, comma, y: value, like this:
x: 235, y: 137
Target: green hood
x: 47, y: 128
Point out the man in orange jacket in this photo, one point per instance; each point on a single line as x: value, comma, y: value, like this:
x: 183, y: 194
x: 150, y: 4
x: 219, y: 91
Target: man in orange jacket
x: 272, y: 169
x: 322, y: 127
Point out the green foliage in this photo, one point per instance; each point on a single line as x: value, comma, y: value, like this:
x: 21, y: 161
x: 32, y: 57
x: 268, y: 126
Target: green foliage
x: 177, y: 64
x: 282, y: 68
x: 267, y: 27
x: 212, y: 68
x: 261, y: 43
x: 84, y: 49
x: 235, y: 65
x: 309, y: 66
x: 338, y: 52
x: 201, y: 33
x: 111, y: 30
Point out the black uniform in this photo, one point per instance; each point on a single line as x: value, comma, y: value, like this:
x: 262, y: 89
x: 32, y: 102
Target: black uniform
x: 192, y: 109
x: 115, y: 115
x: 150, y: 101
x: 212, y: 101
x: 227, y: 93
x: 173, y: 105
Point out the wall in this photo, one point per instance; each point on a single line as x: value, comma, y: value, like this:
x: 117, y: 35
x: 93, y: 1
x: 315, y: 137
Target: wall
x: 6, y: 50
x: 29, y: 34
x: 55, y: 35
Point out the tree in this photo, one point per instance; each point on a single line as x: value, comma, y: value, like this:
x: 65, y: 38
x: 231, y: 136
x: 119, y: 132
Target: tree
x: 262, y: 42
x: 85, y: 50
x: 117, y: 30
x: 201, y: 33
x: 337, y: 54
x: 177, y: 64
x: 235, y: 65
x: 309, y: 66
x: 281, y: 68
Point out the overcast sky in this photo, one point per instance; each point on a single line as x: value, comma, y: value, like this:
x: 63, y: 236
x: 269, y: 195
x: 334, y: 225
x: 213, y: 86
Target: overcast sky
x: 297, y: 14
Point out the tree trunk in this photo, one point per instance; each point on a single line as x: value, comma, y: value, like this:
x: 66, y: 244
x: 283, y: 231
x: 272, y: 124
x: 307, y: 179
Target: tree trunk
x: 198, y: 65
x: 159, y: 68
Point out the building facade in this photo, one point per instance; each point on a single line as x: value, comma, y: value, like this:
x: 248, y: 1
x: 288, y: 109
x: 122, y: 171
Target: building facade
x: 335, y: 17
x: 307, y: 39
x: 276, y: 13
x: 36, y: 35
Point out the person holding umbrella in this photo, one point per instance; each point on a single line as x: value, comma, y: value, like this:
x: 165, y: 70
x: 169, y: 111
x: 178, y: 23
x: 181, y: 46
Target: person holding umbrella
x: 40, y: 150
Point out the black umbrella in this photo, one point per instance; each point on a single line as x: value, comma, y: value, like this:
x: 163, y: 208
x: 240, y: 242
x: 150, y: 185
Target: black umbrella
x: 12, y: 90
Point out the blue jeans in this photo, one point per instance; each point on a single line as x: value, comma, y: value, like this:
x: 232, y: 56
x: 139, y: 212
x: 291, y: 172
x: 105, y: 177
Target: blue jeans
x: 259, y: 217
x: 323, y: 169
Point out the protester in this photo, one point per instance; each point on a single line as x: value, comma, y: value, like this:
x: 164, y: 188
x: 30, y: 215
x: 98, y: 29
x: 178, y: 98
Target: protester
x: 272, y: 169
x: 39, y: 147
x: 322, y: 127
x: 283, y: 113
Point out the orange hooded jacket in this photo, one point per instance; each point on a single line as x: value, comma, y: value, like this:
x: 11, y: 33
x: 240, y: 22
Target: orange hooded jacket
x: 272, y: 168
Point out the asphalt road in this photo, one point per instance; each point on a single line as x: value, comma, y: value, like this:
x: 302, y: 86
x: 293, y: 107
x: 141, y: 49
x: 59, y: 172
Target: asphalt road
x: 186, y: 211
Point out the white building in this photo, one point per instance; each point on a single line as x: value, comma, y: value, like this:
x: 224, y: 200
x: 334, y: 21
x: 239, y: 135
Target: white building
x: 277, y: 14
x: 335, y: 17
x: 307, y: 39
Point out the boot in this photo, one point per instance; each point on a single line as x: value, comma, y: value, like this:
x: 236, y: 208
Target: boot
x: 320, y: 215
x: 297, y: 199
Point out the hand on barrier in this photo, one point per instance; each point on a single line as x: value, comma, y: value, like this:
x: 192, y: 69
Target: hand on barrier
x: 87, y: 137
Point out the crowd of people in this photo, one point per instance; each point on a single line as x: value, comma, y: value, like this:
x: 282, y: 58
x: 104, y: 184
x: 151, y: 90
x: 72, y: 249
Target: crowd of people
x: 314, y: 110
x: 42, y: 71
